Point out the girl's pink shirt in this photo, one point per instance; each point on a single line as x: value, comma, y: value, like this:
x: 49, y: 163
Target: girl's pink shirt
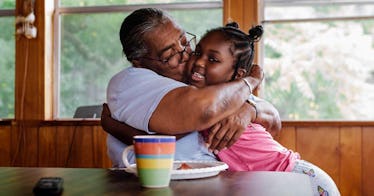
x: 256, y: 150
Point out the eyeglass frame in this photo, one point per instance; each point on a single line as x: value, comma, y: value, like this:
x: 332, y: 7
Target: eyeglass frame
x: 188, y: 44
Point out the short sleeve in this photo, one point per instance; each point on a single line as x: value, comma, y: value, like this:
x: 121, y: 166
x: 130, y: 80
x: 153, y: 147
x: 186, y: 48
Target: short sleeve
x: 134, y: 93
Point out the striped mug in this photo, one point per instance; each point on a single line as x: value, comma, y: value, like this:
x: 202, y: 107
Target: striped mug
x: 154, y: 156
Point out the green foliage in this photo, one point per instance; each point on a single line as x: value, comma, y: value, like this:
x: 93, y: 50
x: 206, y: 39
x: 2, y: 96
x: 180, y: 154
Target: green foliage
x: 91, y: 53
x: 272, y: 52
x: 310, y: 73
x: 7, y: 62
x: 279, y: 29
x: 325, y: 10
x: 324, y: 103
x: 293, y: 104
x: 191, y: 20
x: 368, y: 26
x: 7, y: 4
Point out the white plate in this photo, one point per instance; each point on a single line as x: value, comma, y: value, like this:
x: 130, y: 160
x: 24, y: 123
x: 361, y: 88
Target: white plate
x: 199, y: 169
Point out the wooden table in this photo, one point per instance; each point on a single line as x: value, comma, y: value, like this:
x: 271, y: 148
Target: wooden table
x: 20, y: 181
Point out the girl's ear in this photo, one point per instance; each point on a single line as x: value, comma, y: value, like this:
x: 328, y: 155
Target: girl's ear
x: 241, y: 73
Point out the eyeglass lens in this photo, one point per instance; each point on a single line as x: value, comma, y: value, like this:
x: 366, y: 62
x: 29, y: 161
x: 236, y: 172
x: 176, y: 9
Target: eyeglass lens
x: 188, y: 48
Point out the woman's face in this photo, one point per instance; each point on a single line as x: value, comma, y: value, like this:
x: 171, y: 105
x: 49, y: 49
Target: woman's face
x: 212, y: 62
x: 164, y: 42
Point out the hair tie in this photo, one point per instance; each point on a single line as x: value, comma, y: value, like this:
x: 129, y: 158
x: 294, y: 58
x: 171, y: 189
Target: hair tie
x: 255, y: 33
x: 233, y: 25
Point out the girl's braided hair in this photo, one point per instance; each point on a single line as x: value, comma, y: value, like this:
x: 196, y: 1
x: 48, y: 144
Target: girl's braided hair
x: 242, y: 47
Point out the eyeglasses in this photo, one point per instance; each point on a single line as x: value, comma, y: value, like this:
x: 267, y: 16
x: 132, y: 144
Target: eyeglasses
x: 188, y: 47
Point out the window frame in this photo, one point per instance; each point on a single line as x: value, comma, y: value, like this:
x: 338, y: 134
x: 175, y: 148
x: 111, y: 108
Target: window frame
x: 306, y: 3
x: 7, y: 12
x: 60, y: 11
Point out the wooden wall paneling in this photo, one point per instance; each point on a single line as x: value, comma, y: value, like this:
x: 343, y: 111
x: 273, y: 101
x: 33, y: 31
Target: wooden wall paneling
x: 5, y: 138
x: 47, y: 147
x: 24, y: 146
x: 287, y: 138
x: 64, y: 140
x: 85, y: 145
x: 81, y: 152
x: 368, y: 161
x: 100, y: 157
x: 319, y: 145
x: 350, y: 161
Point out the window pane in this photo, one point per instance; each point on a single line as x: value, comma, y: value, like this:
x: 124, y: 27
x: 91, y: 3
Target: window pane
x: 75, y: 3
x: 7, y: 4
x: 91, y: 53
x: 297, y: 11
x: 7, y: 67
x: 191, y: 20
x: 321, y: 70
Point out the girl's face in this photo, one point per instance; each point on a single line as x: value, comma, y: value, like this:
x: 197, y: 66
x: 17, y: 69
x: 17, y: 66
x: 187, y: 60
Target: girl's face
x: 212, y: 62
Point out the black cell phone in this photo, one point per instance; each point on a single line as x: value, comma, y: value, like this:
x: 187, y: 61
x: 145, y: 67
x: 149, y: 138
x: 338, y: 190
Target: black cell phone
x: 49, y: 186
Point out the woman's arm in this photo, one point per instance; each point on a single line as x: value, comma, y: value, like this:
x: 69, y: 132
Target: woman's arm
x: 268, y: 117
x: 119, y: 130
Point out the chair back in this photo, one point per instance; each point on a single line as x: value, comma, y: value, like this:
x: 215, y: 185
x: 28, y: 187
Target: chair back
x: 89, y: 111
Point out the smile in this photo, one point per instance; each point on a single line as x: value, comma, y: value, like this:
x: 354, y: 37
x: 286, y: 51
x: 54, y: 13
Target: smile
x: 197, y: 76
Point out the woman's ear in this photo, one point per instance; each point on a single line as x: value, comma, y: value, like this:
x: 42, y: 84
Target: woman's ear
x: 241, y: 73
x: 136, y: 63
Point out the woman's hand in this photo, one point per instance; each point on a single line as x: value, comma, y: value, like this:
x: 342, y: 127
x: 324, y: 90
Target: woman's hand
x: 226, y: 132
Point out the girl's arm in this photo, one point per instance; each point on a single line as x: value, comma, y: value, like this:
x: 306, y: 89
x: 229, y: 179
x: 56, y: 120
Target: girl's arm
x: 119, y: 130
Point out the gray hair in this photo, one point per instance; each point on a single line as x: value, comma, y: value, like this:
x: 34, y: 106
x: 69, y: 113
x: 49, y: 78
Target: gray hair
x: 134, y: 28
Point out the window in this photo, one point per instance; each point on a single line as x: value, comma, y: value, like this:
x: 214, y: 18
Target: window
x: 319, y: 59
x: 89, y: 49
x: 7, y: 58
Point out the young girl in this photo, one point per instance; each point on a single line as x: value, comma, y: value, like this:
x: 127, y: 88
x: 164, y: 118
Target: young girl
x: 225, y: 54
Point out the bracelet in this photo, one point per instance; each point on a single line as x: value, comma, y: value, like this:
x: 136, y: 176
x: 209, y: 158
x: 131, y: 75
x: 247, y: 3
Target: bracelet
x: 252, y: 102
x: 248, y: 84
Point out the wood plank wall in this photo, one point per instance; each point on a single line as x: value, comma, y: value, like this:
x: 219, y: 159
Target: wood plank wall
x: 68, y: 144
x: 346, y: 152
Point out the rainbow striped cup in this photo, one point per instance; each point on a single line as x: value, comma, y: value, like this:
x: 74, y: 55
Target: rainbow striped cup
x: 154, y: 159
